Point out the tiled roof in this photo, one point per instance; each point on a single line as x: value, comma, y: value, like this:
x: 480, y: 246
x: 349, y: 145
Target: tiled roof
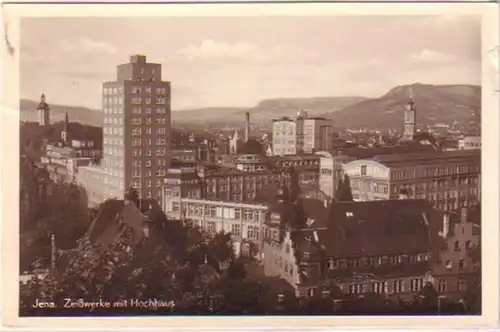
x: 430, y: 157
x: 109, y: 211
x: 356, y: 229
x: 113, y: 216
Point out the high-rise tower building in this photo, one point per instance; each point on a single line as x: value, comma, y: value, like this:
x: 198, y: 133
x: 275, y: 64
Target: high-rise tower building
x: 136, y: 131
x: 43, y: 111
x: 410, y: 119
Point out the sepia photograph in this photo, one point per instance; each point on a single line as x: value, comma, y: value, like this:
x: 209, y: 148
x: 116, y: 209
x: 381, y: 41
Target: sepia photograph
x: 284, y: 165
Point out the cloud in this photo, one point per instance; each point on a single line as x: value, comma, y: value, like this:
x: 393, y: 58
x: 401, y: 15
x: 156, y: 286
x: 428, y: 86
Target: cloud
x: 429, y: 56
x: 87, y: 46
x: 210, y: 49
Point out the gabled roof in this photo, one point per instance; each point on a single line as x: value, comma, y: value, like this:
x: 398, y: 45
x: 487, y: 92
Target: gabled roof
x: 114, y: 215
x: 382, y: 227
x: 355, y: 229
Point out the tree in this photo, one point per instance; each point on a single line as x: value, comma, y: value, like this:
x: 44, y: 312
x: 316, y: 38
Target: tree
x: 58, y: 208
x: 428, y: 297
x: 112, y: 272
x: 221, y: 247
x: 344, y: 189
x: 133, y: 196
x: 236, y: 269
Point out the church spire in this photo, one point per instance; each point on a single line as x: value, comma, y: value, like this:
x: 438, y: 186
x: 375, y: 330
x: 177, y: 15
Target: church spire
x: 410, y: 117
x: 43, y: 111
x: 65, y: 131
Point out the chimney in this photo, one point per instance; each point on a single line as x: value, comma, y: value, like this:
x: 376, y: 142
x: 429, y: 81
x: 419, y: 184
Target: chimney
x: 463, y: 215
x: 247, y: 126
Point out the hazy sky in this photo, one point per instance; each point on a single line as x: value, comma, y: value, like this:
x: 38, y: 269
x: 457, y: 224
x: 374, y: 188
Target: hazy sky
x: 239, y: 61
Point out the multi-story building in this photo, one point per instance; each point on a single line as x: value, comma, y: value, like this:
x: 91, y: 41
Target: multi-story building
x: 331, y: 172
x: 43, y: 111
x: 461, y: 255
x: 386, y: 247
x: 203, y: 152
x: 448, y: 179
x: 136, y: 131
x: 331, y: 162
x: 317, y: 134
x: 301, y: 135
x: 244, y: 221
x: 285, y: 137
x: 470, y: 142
x: 212, y: 182
x: 241, y: 180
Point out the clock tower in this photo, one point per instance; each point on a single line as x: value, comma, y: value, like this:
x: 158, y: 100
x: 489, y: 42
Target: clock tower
x: 410, y: 119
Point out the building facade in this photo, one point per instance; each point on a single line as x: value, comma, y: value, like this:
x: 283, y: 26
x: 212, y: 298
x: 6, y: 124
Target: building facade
x: 245, y: 222
x: 331, y: 171
x: 301, y: 135
x: 285, y: 137
x: 448, y: 179
x: 385, y: 247
x: 317, y: 134
x: 461, y: 255
x: 136, y: 129
x: 92, y: 178
x: 470, y: 142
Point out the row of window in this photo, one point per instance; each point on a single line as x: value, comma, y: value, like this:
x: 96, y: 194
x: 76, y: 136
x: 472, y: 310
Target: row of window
x: 113, y: 120
x: 113, y: 109
x: 199, y: 210
x: 113, y: 101
x: 148, y: 110
x: 148, y: 100
x: 147, y: 90
x: 112, y: 130
x: 375, y: 261
x: 148, y: 121
x: 113, y: 91
x: 113, y: 151
x: 148, y: 141
x: 113, y: 141
x: 138, y: 131
x: 147, y: 193
x: 423, y: 172
x: 137, y: 173
x: 381, y: 287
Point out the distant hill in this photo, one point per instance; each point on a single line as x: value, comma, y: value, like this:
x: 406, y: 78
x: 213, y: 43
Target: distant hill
x: 76, y: 114
x: 265, y: 111
x: 435, y: 104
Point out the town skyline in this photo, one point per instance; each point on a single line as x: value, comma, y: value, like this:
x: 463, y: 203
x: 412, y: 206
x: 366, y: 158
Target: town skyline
x: 207, y: 58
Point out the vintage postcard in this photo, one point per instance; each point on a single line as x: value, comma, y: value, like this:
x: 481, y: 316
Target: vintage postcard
x: 264, y: 165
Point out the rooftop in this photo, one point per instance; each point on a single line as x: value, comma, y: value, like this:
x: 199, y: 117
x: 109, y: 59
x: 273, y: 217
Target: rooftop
x: 423, y: 157
x: 357, y: 229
